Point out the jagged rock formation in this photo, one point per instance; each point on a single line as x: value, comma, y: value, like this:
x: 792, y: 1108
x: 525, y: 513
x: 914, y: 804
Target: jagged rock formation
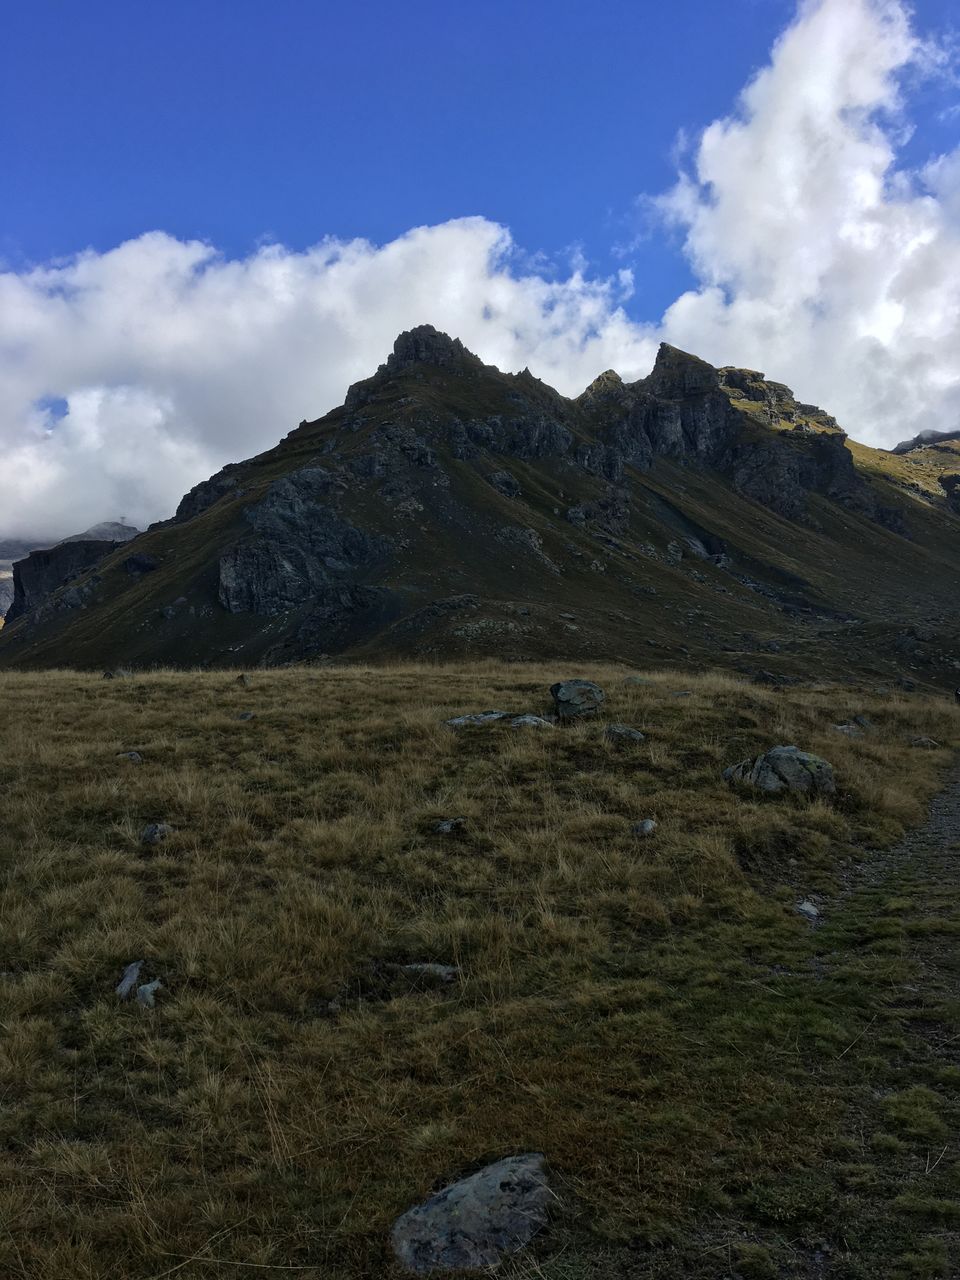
x: 42, y: 573
x: 26, y: 585
x: 698, y: 514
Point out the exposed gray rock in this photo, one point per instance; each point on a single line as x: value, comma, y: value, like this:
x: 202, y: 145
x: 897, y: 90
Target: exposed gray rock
x: 474, y: 1223
x: 784, y: 769
x: 478, y: 718
x: 928, y: 744
x: 155, y: 832
x: 645, y: 828
x: 432, y: 972
x: 849, y: 730
x: 139, y: 564
x: 622, y: 734
x: 245, y: 715
x: 639, y: 680
x: 42, y: 573
x: 130, y: 978
x: 808, y: 909
x: 287, y: 565
x: 447, y: 826
x: 531, y: 722
x: 133, y: 756
x: 504, y: 483
x: 576, y: 699
x: 146, y: 994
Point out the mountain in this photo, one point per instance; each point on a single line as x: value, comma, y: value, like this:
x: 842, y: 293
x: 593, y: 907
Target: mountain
x: 699, y: 515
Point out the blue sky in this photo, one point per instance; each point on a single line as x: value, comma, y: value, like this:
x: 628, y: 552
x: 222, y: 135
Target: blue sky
x: 767, y: 182
x: 297, y: 119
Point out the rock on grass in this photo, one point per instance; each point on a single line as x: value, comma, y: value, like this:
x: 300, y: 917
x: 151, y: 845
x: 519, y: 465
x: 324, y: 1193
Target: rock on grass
x: 474, y: 1223
x: 784, y: 769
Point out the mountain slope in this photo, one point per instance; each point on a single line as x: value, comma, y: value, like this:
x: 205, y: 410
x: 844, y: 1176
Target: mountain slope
x: 448, y: 509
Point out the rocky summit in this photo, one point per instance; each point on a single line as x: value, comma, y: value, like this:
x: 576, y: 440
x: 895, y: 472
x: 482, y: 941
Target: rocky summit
x: 698, y: 516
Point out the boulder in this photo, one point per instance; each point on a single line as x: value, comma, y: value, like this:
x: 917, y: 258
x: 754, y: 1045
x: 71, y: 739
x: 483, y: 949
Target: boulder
x: 576, y: 699
x: 808, y: 909
x: 133, y: 756
x: 645, y: 828
x: 473, y: 1224
x: 927, y: 744
x: 784, y: 769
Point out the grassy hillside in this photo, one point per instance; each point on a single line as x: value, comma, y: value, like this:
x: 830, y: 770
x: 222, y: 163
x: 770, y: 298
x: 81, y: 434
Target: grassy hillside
x: 720, y: 1088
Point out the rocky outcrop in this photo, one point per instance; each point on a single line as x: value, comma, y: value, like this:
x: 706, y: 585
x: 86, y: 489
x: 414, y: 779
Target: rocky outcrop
x: 205, y: 494
x: 950, y: 484
x: 42, y: 573
x: 305, y: 553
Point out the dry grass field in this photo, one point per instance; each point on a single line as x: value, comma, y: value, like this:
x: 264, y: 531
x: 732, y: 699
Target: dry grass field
x: 720, y: 1088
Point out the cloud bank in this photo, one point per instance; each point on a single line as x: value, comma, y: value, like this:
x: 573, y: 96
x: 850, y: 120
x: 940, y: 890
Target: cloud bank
x: 127, y: 376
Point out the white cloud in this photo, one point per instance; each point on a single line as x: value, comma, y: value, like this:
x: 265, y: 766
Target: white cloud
x: 818, y: 261
x: 174, y: 361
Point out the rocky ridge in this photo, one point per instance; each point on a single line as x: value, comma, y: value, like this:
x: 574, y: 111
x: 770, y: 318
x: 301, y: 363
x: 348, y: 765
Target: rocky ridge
x: 448, y: 509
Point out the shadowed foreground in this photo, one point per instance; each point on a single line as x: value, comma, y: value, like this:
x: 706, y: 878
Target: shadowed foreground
x: 720, y: 1086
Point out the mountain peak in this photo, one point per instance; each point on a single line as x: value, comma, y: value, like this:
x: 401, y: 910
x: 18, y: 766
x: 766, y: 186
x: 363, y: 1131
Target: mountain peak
x: 427, y: 345
x: 677, y: 373
x: 423, y: 346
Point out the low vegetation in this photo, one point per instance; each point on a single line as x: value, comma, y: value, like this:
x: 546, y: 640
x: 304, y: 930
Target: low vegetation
x: 720, y: 1086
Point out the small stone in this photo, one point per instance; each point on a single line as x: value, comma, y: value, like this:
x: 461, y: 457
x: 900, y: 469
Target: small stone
x: 146, y: 995
x: 637, y: 680
x: 474, y: 1223
x: 447, y: 826
x: 478, y: 718
x: 645, y: 828
x: 245, y: 715
x: 155, y: 832
x: 531, y: 722
x: 682, y: 693
x: 431, y: 971
x: 130, y: 978
x: 849, y: 730
x: 620, y: 734
x: 927, y: 744
x: 133, y: 756
x: 862, y: 722
x: 807, y: 909
x: 576, y: 699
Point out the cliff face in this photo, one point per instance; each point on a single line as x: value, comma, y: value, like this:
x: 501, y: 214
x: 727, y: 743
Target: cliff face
x: 42, y: 573
x: 448, y: 508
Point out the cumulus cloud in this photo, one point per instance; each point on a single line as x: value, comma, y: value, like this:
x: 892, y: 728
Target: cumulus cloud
x: 173, y: 360
x: 819, y: 259
x: 127, y: 376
